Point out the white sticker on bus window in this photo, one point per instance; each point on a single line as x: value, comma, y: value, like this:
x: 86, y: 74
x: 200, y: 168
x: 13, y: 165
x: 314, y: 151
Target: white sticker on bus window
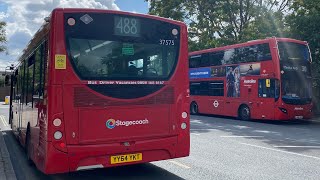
x: 86, y: 19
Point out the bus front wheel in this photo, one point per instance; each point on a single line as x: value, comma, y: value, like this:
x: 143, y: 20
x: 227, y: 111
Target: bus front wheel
x: 194, y: 108
x: 244, y: 113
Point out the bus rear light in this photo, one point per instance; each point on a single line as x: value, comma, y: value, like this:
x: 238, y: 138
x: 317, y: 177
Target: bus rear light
x: 283, y: 110
x: 184, y: 115
x: 183, y: 125
x: 57, y: 122
x: 57, y: 135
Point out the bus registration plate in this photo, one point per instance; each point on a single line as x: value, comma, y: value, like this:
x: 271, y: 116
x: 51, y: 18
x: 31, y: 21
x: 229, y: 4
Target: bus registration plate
x: 126, y: 158
x: 298, y: 117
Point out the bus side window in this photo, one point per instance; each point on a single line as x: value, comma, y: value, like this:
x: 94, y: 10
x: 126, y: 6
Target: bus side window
x: 199, y: 88
x: 205, y: 60
x: 216, y: 58
x: 194, y: 61
x: 216, y: 88
x: 277, y: 89
x: 30, y: 80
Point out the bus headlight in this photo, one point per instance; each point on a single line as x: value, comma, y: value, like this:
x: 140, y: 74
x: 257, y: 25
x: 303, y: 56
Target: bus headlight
x: 183, y: 125
x: 57, y: 122
x: 184, y: 115
x: 57, y: 135
x: 283, y: 110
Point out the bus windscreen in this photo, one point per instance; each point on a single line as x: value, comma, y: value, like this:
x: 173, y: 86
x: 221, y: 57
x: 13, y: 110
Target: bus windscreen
x: 295, y: 73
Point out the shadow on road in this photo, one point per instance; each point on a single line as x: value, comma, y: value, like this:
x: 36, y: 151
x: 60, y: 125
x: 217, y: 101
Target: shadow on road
x: 24, y: 171
x: 141, y: 171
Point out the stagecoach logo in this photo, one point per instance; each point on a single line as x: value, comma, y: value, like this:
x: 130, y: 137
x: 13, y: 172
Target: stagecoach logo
x: 112, y: 123
x: 251, y: 81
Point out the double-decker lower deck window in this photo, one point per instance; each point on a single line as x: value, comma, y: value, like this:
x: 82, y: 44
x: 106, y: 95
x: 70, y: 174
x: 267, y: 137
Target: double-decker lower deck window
x: 207, y: 88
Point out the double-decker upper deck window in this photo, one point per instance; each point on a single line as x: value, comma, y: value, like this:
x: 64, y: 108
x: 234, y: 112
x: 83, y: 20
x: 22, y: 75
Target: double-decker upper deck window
x: 253, y: 53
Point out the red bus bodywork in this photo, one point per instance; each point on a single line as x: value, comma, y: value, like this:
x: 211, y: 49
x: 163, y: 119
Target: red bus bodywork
x: 87, y: 141
x: 259, y: 107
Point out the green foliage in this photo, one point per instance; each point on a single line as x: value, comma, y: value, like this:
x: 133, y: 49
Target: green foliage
x: 215, y: 23
x: 304, y: 24
x: 3, y: 39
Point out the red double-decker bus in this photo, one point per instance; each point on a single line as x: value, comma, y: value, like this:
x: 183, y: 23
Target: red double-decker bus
x: 261, y: 79
x: 101, y: 88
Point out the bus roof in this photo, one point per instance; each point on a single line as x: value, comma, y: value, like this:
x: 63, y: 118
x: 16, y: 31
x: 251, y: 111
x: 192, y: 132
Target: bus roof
x: 248, y: 43
x: 74, y: 10
x: 44, y: 29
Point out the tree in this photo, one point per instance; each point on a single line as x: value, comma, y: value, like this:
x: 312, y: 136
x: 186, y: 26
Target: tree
x: 3, y: 38
x: 221, y: 22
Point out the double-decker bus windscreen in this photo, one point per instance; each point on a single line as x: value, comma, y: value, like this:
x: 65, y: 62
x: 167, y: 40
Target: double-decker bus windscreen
x: 105, y: 46
x: 295, y: 73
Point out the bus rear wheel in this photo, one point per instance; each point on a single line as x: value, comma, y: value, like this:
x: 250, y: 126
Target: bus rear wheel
x: 244, y: 113
x: 194, y: 108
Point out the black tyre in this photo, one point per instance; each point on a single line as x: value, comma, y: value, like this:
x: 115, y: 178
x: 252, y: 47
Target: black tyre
x: 244, y: 113
x: 194, y: 108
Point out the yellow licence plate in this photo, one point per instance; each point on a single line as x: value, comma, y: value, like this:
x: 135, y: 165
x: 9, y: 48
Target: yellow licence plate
x: 126, y: 158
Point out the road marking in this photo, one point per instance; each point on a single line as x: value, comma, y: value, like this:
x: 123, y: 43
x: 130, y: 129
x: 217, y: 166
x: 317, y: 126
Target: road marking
x: 4, y: 121
x: 278, y: 150
x: 240, y: 136
x: 296, y: 146
x: 304, y: 141
x: 196, y: 134
x: 180, y: 164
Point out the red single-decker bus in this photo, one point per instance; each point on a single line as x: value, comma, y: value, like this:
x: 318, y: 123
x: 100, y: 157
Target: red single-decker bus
x: 101, y: 88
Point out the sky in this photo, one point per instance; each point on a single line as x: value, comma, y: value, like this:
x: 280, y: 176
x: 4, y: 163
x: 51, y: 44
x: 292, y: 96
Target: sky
x: 25, y: 17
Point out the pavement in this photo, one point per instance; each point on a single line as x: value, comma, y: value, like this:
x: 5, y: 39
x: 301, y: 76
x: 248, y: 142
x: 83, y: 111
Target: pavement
x: 6, y: 169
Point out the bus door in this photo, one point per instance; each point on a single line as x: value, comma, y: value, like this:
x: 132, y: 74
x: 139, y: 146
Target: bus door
x: 216, y: 100
x: 266, y: 98
x: 232, y: 97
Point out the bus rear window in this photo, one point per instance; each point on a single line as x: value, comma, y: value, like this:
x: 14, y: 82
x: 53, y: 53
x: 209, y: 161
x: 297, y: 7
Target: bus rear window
x: 117, y: 47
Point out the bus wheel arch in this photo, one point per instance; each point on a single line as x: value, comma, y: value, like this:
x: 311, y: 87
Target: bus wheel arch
x: 194, y: 108
x: 244, y: 112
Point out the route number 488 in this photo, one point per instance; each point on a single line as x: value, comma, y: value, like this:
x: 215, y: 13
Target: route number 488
x: 127, y: 26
